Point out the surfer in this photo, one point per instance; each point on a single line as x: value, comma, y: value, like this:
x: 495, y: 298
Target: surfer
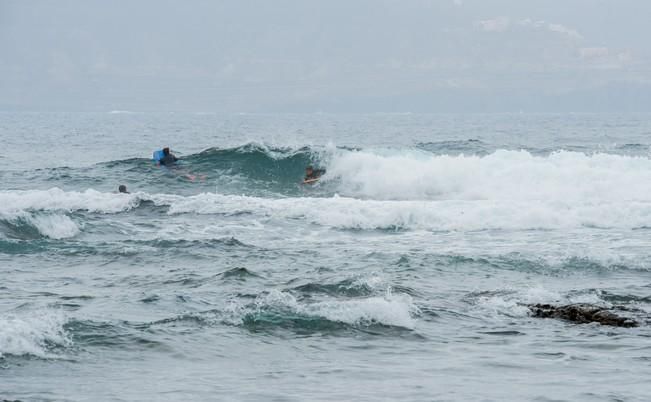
x: 312, y: 175
x: 122, y: 189
x: 168, y: 158
x: 165, y: 158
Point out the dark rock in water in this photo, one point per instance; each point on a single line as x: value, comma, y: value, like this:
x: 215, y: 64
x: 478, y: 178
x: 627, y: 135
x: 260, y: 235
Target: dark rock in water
x: 582, y: 314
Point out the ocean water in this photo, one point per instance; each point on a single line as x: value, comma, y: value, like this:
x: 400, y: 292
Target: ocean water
x: 403, y: 274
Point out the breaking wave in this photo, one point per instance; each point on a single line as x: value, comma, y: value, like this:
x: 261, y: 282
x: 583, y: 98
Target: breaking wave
x: 34, y: 226
x: 379, y: 189
x: 35, y: 333
x: 437, y: 171
x: 282, y: 309
x: 500, y: 176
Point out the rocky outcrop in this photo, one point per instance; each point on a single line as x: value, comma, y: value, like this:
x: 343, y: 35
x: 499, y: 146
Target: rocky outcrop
x: 582, y: 314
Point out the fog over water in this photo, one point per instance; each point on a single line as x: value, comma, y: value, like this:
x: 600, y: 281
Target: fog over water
x: 340, y: 56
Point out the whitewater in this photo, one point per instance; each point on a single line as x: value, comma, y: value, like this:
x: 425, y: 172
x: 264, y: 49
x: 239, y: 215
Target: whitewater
x: 404, y: 273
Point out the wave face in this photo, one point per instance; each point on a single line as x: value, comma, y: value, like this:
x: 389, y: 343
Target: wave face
x: 251, y: 168
x: 254, y: 161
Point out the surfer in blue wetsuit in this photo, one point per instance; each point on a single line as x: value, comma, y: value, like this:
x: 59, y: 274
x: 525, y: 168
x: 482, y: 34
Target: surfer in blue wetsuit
x: 168, y: 158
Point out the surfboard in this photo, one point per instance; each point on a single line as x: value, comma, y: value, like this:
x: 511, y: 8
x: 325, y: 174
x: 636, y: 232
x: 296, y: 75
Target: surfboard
x: 311, y: 181
x: 158, y: 155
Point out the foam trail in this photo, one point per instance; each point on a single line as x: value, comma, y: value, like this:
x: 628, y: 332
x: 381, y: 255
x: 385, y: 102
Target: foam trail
x: 351, y: 213
x: 604, y: 210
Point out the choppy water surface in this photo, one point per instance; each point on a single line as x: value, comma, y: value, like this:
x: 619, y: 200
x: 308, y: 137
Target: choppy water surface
x: 403, y: 274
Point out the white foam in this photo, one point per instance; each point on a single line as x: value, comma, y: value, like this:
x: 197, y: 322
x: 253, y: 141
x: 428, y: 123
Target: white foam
x: 30, y: 333
x: 374, y: 281
x: 55, y: 226
x: 498, y: 306
x: 55, y: 199
x: 501, y: 176
x: 512, y: 303
x: 121, y: 112
x: 351, y: 213
x: 394, y: 310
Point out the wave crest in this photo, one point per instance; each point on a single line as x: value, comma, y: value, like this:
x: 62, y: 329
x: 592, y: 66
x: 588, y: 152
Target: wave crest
x: 280, y: 308
x: 34, y: 333
x: 35, y: 226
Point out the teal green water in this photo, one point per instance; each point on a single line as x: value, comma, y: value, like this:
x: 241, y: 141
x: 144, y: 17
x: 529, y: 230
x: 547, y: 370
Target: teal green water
x: 402, y: 274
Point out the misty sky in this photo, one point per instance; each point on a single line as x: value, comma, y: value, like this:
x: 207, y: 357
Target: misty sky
x: 330, y: 55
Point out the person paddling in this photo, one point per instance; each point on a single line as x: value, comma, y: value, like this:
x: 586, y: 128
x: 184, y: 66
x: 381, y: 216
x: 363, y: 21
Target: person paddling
x: 168, y: 158
x: 165, y: 158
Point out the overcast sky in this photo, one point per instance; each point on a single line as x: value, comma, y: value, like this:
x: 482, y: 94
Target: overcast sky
x: 329, y: 55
